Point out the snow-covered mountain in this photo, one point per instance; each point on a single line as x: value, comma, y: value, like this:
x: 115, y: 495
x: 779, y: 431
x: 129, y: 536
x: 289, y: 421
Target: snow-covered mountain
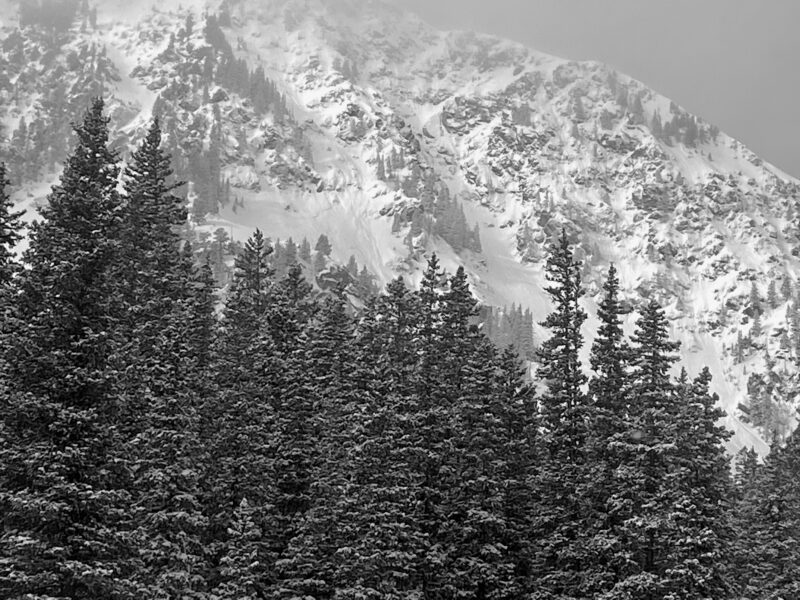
x: 356, y: 120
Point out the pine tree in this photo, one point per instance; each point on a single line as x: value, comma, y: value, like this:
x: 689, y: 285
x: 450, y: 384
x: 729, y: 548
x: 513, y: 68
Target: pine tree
x: 755, y: 303
x: 63, y: 475
x: 459, y: 310
x: 242, y: 566
x: 248, y: 301
x: 648, y: 448
x: 480, y: 528
x: 775, y: 534
x: 314, y: 469
x: 291, y: 309
x: 239, y: 422
x: 305, y: 251
x: 700, y: 543
x: 397, y: 313
x: 609, y: 361
x: 564, y: 405
x: 772, y: 295
x: 609, y: 391
x: 747, y: 564
x: 164, y: 383
x: 148, y: 275
x: 786, y: 289
x: 431, y: 413
x: 323, y: 245
x: 10, y: 229
x: 519, y: 416
x: 563, y: 512
x: 380, y: 545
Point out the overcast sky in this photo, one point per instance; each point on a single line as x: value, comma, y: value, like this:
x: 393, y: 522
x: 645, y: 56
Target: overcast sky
x: 736, y: 63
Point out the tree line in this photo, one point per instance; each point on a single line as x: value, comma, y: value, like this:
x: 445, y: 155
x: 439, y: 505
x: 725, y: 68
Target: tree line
x: 291, y: 447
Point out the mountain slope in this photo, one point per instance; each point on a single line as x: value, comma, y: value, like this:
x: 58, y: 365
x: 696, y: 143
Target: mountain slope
x: 356, y: 120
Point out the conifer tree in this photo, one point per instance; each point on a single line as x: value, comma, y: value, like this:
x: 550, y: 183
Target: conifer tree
x: 428, y: 333
x: 63, y: 474
x: 609, y: 361
x: 149, y: 275
x: 292, y: 307
x: 459, y: 332
x: 323, y: 245
x: 10, y: 229
x: 242, y: 566
x: 564, y: 405
x: 304, y: 251
x: 747, y: 563
x: 772, y: 296
x: 431, y: 412
x: 478, y: 530
x: 318, y: 447
x: 519, y: 415
x: 201, y: 307
x: 774, y: 534
x: 648, y: 450
x: 395, y: 356
x: 564, y: 512
x: 247, y: 304
x: 609, y: 390
x: 239, y: 421
x: 379, y: 545
x: 700, y: 544
x: 164, y: 383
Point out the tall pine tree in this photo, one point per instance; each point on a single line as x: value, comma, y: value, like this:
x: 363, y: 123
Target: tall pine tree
x: 564, y: 512
x: 63, y: 465
x: 10, y: 229
x: 644, y: 496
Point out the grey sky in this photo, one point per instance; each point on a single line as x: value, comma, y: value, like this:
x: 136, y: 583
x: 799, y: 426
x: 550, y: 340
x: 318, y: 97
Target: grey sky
x: 736, y: 63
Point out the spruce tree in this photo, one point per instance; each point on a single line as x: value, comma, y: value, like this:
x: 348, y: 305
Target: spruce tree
x: 700, y: 543
x: 431, y: 412
x: 10, y: 229
x: 775, y: 533
x: 478, y: 532
x: 242, y: 566
x: 243, y: 321
x: 63, y: 464
x: 644, y: 491
x: 609, y: 360
x: 165, y: 382
x: 238, y: 423
x: 459, y: 332
x: 564, y: 511
x: 315, y: 468
x: 564, y: 405
x: 609, y: 390
x: 149, y: 274
x: 518, y: 410
x: 747, y: 563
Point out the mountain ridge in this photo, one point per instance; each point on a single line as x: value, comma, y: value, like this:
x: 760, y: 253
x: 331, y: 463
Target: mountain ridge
x: 522, y: 143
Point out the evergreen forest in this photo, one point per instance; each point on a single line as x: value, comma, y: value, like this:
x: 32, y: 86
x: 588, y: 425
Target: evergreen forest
x: 160, y: 441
